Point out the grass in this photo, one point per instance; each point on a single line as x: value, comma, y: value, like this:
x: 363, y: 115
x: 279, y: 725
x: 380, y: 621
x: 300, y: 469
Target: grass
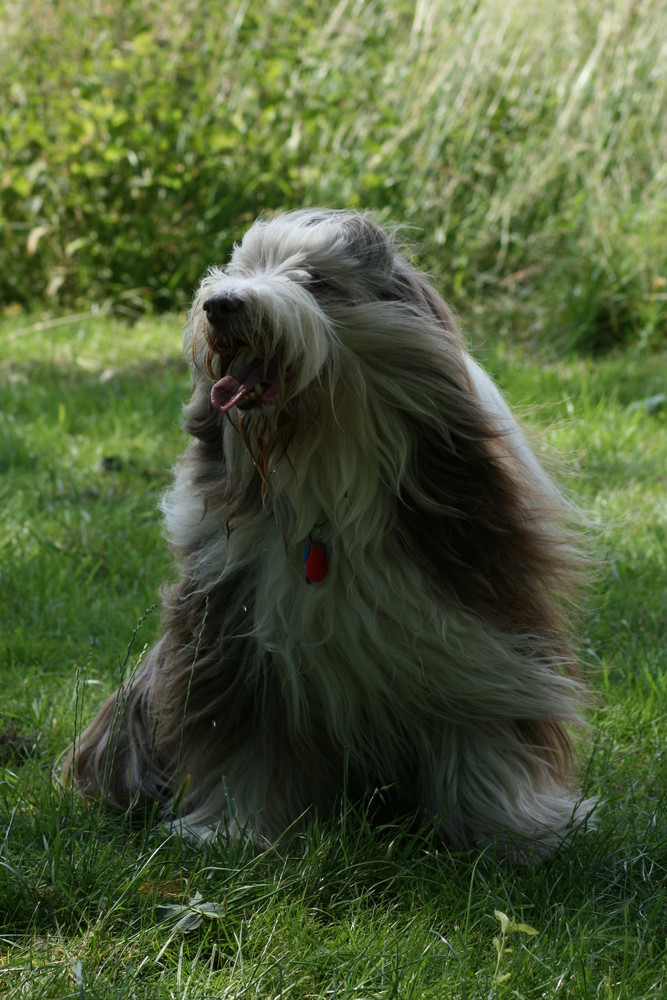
x: 91, y: 908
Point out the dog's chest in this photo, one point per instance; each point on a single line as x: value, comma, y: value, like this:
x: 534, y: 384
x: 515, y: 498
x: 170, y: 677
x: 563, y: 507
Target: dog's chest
x: 357, y: 636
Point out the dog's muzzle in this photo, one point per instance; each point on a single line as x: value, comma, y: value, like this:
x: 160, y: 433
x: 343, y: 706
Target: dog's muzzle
x: 260, y: 380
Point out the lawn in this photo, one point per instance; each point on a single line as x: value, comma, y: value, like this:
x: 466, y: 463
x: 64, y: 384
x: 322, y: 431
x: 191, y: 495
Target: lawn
x: 90, y: 907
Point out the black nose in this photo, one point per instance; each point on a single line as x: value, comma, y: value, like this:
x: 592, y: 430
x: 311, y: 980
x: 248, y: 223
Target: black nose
x: 220, y: 307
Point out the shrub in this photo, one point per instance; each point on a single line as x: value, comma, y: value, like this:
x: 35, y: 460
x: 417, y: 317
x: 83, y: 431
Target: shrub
x: 140, y: 138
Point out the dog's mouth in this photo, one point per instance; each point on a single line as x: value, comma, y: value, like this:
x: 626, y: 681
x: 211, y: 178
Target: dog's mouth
x: 258, y: 383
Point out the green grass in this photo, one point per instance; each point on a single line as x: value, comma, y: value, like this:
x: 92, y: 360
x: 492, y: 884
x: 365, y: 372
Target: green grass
x: 524, y: 147
x: 91, y: 908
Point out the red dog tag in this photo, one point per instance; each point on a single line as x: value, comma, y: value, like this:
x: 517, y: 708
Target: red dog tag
x: 316, y: 561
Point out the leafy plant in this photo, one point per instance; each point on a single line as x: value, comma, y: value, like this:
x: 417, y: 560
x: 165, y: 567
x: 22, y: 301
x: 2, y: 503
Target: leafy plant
x: 526, y: 153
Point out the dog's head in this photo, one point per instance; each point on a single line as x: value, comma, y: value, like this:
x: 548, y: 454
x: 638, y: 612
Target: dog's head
x: 319, y: 319
x: 306, y: 298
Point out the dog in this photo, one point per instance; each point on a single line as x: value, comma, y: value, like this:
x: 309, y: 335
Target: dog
x: 376, y: 572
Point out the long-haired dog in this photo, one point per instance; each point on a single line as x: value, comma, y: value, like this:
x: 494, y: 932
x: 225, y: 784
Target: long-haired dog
x: 374, y: 568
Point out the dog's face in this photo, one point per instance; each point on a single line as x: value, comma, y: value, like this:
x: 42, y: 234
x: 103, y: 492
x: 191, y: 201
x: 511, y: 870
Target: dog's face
x: 272, y: 324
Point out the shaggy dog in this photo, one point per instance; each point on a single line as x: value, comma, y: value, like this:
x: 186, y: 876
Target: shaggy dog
x: 373, y: 567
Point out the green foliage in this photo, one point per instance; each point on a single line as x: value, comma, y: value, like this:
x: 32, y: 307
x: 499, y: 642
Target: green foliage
x: 526, y: 152
x: 94, y: 908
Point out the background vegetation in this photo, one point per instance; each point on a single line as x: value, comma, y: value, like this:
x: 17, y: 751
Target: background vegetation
x: 524, y: 147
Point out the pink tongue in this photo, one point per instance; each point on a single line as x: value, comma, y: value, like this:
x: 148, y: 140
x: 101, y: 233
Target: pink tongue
x: 231, y: 389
